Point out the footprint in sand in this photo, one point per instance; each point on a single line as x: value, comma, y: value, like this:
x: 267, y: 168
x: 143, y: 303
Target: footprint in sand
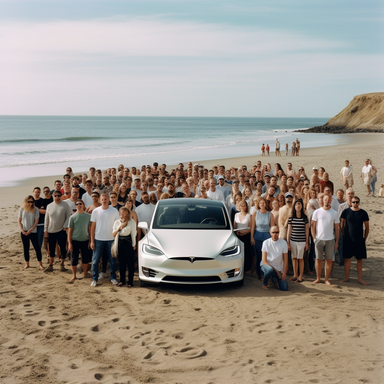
x: 41, y: 323
x: 190, y: 352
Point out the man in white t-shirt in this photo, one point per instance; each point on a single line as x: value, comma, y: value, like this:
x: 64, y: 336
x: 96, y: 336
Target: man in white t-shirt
x: 144, y: 212
x: 214, y: 193
x: 274, y: 262
x: 325, y: 220
x: 102, y: 221
x: 224, y: 188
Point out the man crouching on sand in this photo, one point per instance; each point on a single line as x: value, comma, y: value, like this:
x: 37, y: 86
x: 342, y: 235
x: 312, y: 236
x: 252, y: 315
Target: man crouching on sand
x: 275, y: 260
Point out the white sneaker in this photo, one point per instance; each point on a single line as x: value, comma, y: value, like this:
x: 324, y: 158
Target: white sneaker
x: 94, y: 283
x: 114, y: 281
x: 101, y: 275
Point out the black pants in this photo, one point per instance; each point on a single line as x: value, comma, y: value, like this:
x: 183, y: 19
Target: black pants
x: 248, y: 251
x: 32, y: 237
x: 126, y: 259
x: 61, y: 239
x: 80, y: 246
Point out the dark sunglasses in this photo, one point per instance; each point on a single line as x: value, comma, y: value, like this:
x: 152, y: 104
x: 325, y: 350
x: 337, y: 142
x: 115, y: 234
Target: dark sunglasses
x: 30, y: 202
x: 355, y: 202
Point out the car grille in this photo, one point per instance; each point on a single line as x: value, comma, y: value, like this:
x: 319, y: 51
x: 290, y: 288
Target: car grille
x: 191, y: 279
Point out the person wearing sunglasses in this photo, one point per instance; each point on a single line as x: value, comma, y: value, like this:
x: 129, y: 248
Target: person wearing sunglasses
x: 28, y: 220
x: 354, y: 223
x: 274, y: 262
x: 78, y: 238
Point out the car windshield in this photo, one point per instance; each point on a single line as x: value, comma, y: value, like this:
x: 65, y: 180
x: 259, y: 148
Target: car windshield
x: 190, y: 216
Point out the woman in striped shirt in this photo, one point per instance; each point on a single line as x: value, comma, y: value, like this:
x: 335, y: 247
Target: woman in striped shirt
x: 297, y: 239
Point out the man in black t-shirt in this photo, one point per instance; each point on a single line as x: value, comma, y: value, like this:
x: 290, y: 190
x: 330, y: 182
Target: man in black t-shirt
x: 354, y: 223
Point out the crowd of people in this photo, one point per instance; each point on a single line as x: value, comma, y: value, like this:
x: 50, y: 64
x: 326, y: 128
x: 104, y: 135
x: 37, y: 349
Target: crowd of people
x: 289, y: 220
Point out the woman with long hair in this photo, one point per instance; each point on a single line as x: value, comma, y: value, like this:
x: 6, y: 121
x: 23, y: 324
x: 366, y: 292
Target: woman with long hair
x: 298, y: 239
x: 28, y: 220
x: 122, y: 196
x: 131, y: 207
x: 261, y: 222
x: 242, y: 223
x: 125, y: 229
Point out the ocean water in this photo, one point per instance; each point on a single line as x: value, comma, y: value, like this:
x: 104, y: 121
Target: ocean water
x: 34, y: 146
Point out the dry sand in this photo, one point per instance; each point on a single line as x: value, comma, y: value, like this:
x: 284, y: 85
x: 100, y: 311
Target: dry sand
x: 56, y: 332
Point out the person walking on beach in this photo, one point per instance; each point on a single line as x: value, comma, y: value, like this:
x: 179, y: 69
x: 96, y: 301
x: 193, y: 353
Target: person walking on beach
x: 297, y: 147
x: 55, y: 226
x: 324, y: 221
x: 275, y: 260
x: 355, y: 228
x: 267, y: 149
x: 366, y: 176
x: 346, y: 175
x: 28, y: 221
x: 277, y: 150
x: 263, y: 150
x: 102, y: 221
x: 78, y: 238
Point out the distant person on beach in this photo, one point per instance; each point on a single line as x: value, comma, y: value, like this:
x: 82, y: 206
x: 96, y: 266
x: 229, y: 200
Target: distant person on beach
x: 277, y: 148
x: 374, y: 178
x: 274, y: 262
x: 355, y: 227
x: 297, y: 147
x: 293, y: 148
x: 28, y: 221
x: 78, y: 238
x: 346, y: 175
x: 325, y: 221
x: 286, y: 149
x: 263, y: 150
x: 366, y: 176
x: 267, y: 149
x: 55, y: 226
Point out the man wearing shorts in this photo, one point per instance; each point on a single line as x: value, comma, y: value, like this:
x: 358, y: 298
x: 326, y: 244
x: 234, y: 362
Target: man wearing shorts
x: 78, y: 238
x: 355, y: 228
x: 325, y: 220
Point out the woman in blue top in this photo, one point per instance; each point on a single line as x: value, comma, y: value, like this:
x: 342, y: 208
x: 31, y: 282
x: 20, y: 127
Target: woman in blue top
x: 261, y: 222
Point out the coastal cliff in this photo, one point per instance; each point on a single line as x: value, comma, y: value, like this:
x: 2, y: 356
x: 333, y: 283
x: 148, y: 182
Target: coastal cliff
x: 365, y: 113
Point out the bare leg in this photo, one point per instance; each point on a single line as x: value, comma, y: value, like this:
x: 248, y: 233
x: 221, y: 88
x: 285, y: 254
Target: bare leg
x: 74, y: 268
x: 41, y: 266
x: 360, y: 272
x: 294, y: 265
x: 328, y: 270
x: 26, y: 265
x: 319, y: 268
x: 347, y: 267
x: 301, y: 269
x: 368, y: 189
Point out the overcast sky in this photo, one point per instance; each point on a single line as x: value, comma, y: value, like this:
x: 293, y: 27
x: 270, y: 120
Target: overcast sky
x: 294, y: 58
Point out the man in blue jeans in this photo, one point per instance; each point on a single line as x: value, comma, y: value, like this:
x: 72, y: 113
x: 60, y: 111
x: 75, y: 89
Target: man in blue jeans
x: 102, y: 221
x: 274, y: 262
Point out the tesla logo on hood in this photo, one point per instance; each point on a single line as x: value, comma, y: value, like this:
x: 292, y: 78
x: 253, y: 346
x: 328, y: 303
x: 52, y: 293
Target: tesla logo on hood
x: 192, y: 259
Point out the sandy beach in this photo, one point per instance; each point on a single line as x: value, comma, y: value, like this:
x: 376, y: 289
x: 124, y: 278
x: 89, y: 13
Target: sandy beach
x: 57, y: 332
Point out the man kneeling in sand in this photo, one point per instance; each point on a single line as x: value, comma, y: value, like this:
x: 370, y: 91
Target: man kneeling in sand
x: 274, y: 262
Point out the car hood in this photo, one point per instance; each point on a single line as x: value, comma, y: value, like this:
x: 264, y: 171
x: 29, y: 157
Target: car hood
x: 186, y: 243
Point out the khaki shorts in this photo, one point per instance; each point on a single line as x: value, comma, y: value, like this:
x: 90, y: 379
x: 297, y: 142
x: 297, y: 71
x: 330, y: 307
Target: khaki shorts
x: 297, y: 249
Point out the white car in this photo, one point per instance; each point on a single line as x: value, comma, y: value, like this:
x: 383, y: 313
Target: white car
x: 190, y: 241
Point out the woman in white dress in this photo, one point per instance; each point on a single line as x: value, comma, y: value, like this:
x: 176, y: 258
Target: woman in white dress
x: 346, y: 175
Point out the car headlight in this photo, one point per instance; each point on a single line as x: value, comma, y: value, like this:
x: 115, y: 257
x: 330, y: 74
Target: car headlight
x: 152, y: 250
x: 231, y: 251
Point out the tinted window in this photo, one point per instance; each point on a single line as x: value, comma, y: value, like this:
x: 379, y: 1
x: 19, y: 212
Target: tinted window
x: 190, y: 216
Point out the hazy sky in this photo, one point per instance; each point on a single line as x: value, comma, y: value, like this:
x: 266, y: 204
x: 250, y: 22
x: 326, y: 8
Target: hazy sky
x: 294, y: 58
